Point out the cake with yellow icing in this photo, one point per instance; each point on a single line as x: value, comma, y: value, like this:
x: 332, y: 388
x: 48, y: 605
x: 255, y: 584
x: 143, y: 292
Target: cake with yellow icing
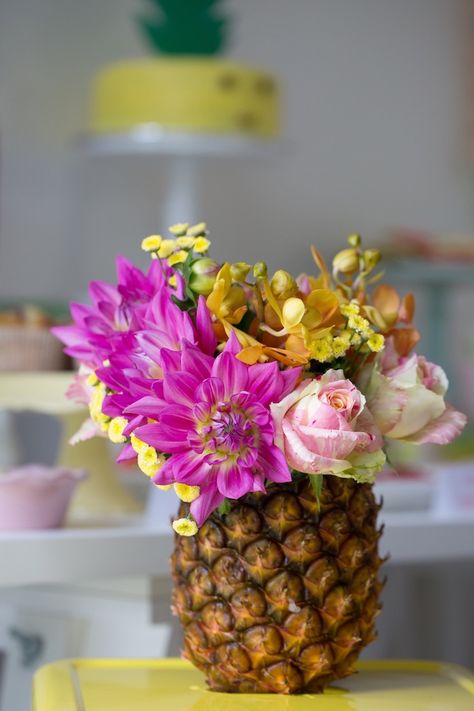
x: 185, y: 94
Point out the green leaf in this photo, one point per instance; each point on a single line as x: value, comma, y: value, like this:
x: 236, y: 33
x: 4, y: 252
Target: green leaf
x: 225, y: 507
x: 317, y: 486
x: 193, y: 27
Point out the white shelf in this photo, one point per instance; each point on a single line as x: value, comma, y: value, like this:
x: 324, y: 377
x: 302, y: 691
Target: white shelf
x: 152, y: 140
x: 74, y: 555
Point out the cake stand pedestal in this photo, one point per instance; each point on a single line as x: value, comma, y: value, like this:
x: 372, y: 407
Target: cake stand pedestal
x: 101, y: 499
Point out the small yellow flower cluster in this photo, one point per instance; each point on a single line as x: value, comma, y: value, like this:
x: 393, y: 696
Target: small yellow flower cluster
x: 186, y: 493
x: 360, y: 329
x: 185, y: 527
x: 330, y: 347
x: 96, y: 401
x: 186, y: 238
x: 115, y: 430
x: 149, y: 461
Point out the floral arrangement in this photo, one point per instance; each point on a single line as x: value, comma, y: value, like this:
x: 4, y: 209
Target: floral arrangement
x: 220, y: 380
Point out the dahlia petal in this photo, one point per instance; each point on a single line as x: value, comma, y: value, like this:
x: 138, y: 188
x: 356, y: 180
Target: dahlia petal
x: 234, y: 482
x: 147, y: 406
x: 205, y: 333
x: 259, y: 483
x: 232, y: 372
x: 264, y: 381
x: 233, y: 345
x: 180, y: 388
x: 127, y: 454
x: 101, y: 291
x: 273, y: 464
x: 290, y: 378
x: 195, y: 362
x: 169, y: 360
x: 155, y: 437
x: 70, y: 335
x: 133, y: 424
x: 164, y: 475
x: 80, y: 312
x: 205, y: 504
x: 190, y: 468
x: 211, y: 390
x: 177, y: 417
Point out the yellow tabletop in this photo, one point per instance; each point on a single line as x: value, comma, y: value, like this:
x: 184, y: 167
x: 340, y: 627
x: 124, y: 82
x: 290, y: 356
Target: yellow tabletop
x: 174, y: 685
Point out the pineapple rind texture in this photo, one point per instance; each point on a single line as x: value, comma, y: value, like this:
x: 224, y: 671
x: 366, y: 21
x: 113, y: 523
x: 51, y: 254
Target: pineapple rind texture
x: 277, y: 596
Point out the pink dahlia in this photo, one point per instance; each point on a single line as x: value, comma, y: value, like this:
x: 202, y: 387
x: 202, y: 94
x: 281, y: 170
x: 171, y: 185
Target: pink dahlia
x: 214, y: 420
x: 117, y: 311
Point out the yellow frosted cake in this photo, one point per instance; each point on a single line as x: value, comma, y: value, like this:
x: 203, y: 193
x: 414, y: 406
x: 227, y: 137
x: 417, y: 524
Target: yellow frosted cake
x: 187, y: 94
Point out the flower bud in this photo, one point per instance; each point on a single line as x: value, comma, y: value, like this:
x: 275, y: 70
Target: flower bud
x: 283, y: 284
x: 371, y: 258
x: 346, y: 261
x: 203, y: 275
x: 260, y: 270
x: 354, y: 240
x: 239, y: 271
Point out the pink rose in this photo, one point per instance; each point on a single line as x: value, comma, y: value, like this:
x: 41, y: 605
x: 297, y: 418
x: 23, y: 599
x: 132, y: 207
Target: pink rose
x: 324, y: 427
x: 406, y: 398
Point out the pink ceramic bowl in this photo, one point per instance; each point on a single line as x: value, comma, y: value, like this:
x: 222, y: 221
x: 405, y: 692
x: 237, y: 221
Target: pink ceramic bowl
x: 35, y: 496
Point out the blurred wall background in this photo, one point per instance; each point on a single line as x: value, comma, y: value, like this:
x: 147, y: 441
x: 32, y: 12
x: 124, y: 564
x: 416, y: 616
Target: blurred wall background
x: 375, y: 132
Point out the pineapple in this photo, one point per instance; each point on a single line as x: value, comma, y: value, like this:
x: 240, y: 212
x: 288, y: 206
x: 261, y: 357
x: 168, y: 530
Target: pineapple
x: 280, y: 594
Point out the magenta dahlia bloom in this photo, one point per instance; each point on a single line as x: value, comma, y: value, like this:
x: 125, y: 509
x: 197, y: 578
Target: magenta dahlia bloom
x: 107, y: 325
x: 214, y: 420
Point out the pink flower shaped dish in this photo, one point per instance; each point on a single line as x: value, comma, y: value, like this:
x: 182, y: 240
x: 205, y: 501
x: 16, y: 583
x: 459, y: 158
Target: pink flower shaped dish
x: 36, y: 496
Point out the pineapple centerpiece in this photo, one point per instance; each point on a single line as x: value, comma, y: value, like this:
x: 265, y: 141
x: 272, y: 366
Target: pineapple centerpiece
x: 266, y: 403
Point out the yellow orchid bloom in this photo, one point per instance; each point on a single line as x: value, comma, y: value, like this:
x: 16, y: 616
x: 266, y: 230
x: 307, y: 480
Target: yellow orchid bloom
x: 226, y: 301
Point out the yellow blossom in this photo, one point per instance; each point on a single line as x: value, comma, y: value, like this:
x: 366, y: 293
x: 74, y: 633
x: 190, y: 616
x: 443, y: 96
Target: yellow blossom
x: 348, y: 310
x: 138, y: 445
x: 177, y: 258
x: 179, y: 229
x: 226, y: 301
x: 92, y: 380
x: 292, y: 312
x: 321, y: 349
x: 152, y: 243
x: 185, y: 242
x: 376, y: 342
x: 95, y: 403
x: 339, y: 346
x: 116, y: 428
x: 164, y: 487
x: 197, y: 230
x: 359, y: 324
x: 201, y: 245
x: 185, y: 527
x: 167, y: 247
x: 149, y: 461
x: 172, y: 281
x: 186, y: 493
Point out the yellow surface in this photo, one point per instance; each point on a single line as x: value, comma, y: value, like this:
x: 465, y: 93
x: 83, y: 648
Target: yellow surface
x: 174, y: 685
x: 185, y: 94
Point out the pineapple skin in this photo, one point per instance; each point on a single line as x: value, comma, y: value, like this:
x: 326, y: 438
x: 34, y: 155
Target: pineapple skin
x: 276, y: 596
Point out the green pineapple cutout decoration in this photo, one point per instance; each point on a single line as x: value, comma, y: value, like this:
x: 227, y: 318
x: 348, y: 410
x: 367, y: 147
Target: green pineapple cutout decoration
x: 185, y: 27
